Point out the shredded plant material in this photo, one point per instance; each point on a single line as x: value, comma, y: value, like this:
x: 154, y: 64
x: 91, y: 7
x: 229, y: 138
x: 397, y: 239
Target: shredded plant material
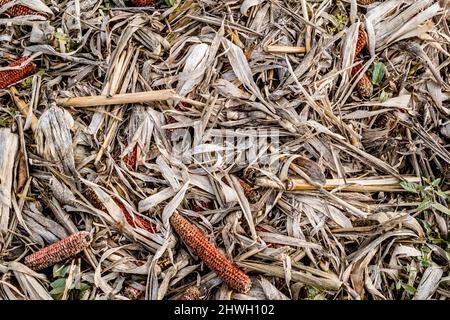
x: 236, y: 149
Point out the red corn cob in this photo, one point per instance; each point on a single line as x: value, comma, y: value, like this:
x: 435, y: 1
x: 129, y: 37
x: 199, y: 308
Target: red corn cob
x: 19, y: 10
x: 9, y: 77
x: 361, y: 42
x: 200, y: 205
x: 137, y: 221
x: 130, y: 159
x: 59, y: 251
x: 364, y: 86
x: 210, y: 255
x: 142, y: 3
x: 94, y: 200
x: 191, y: 293
x: 249, y: 193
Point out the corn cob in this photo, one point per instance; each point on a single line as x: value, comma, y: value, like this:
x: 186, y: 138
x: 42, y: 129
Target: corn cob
x: 137, y: 221
x: 130, y: 159
x: 142, y: 3
x: 200, y: 205
x: 210, y: 255
x: 364, y: 86
x: 9, y: 77
x: 361, y: 42
x: 59, y: 251
x: 249, y: 193
x: 19, y: 10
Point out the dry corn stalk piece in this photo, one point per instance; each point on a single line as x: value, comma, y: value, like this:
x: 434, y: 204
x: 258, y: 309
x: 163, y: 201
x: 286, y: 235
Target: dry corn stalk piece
x: 19, y: 10
x: 210, y: 255
x: 9, y: 145
x: 142, y: 3
x: 9, y: 77
x: 364, y: 86
x: 59, y: 251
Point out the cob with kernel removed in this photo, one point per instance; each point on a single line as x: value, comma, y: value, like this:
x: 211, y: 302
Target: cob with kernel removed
x: 142, y: 3
x: 210, y: 255
x: 19, y: 10
x: 364, y: 86
x: 59, y: 251
x: 9, y: 77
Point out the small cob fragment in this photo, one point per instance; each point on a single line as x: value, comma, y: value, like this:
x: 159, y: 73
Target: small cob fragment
x: 132, y: 292
x: 9, y: 77
x: 210, y: 255
x: 59, y: 251
x: 142, y: 3
x: 364, y: 86
x: 361, y: 42
x: 19, y: 10
x: 249, y: 193
x: 130, y: 159
x: 191, y: 293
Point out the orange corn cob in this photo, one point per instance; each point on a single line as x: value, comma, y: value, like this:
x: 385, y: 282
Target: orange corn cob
x: 191, y: 293
x: 142, y: 3
x: 361, y: 42
x: 364, y: 86
x: 210, y: 255
x: 365, y: 2
x: 59, y: 251
x: 19, y: 10
x: 9, y: 77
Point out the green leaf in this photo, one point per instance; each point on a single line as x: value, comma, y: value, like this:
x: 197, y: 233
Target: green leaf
x: 170, y: 3
x: 60, y: 270
x: 378, y: 73
x: 441, y: 208
x: 57, y: 291
x: 425, y: 205
x: 58, y: 283
x: 442, y: 194
x: 84, y: 286
x: 436, y: 182
x: 384, y: 96
x: 409, y: 186
x: 408, y: 288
